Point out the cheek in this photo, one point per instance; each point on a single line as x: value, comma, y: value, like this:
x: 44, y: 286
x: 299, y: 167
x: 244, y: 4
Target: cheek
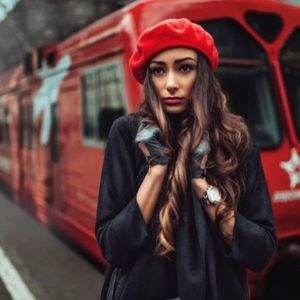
x: 157, y: 85
x: 189, y: 86
x: 190, y: 83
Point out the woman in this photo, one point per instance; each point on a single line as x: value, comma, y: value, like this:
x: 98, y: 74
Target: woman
x: 183, y: 203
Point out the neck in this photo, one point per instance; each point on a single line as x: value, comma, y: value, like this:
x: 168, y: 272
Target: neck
x: 178, y: 117
x: 175, y: 120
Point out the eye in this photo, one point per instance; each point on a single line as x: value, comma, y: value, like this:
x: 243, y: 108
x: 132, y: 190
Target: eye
x: 186, y: 68
x: 156, y: 70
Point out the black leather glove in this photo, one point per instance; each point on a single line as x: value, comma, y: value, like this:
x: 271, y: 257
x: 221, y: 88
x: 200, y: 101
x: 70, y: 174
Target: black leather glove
x: 151, y: 137
x: 197, y: 155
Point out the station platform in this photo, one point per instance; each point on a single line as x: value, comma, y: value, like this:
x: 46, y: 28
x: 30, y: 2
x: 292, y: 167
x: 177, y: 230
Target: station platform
x: 36, y: 263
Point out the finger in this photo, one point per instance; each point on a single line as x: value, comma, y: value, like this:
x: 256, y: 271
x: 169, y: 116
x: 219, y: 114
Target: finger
x: 145, y: 133
x: 203, y: 161
x: 144, y: 149
x: 158, y: 135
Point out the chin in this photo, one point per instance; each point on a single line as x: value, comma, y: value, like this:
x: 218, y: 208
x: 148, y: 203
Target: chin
x: 175, y: 110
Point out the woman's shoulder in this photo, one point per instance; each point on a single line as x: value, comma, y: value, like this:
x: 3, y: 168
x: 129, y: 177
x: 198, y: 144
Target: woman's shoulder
x: 129, y: 119
x: 252, y: 164
x: 127, y: 124
x: 253, y: 153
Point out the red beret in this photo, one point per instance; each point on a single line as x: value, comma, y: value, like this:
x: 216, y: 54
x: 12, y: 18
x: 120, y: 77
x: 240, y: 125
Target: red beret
x: 171, y: 33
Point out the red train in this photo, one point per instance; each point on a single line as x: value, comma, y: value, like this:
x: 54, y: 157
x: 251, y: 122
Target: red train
x: 56, y: 108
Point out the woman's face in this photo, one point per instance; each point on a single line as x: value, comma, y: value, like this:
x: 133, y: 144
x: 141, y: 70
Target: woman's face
x: 173, y: 72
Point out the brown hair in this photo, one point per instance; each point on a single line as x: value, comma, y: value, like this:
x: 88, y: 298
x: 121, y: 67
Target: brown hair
x: 229, y: 141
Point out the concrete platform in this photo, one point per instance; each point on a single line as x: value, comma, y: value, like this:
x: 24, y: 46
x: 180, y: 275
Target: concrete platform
x: 49, y: 267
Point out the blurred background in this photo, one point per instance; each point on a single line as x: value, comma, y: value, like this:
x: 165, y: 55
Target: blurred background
x: 28, y: 24
x: 64, y: 80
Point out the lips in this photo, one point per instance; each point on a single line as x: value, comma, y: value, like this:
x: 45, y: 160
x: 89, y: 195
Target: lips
x: 174, y: 100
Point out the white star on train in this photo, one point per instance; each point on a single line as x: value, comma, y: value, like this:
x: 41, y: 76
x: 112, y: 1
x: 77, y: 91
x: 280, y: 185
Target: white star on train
x: 292, y: 167
x: 48, y: 92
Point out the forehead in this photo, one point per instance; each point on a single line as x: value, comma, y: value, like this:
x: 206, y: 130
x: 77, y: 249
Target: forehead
x: 172, y: 54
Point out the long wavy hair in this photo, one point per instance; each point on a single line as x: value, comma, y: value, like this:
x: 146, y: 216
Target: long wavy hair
x: 229, y: 141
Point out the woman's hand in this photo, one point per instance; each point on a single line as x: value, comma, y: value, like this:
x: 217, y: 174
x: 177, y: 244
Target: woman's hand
x: 149, y: 139
x: 199, y: 158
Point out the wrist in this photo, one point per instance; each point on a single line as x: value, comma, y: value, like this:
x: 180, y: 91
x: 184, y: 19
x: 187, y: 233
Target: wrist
x: 196, y: 170
x: 212, y: 196
x: 201, y: 185
x: 158, y: 170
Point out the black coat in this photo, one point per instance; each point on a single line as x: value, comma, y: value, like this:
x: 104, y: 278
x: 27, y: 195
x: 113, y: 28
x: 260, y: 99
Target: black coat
x: 207, y: 268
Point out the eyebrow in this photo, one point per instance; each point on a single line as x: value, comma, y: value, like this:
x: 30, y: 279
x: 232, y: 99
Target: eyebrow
x: 177, y: 61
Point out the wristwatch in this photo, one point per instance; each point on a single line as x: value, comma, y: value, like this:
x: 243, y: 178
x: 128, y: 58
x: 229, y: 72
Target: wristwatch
x: 212, y: 196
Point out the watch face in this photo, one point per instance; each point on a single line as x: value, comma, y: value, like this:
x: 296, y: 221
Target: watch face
x: 213, y: 194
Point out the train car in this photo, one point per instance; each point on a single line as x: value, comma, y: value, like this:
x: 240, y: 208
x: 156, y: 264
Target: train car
x: 57, y: 108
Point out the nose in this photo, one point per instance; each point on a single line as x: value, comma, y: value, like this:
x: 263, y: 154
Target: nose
x: 171, y: 83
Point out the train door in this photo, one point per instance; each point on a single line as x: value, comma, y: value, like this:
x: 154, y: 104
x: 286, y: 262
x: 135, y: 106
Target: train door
x: 5, y: 141
x: 55, y: 155
x: 47, y: 122
x: 26, y: 145
x: 45, y: 115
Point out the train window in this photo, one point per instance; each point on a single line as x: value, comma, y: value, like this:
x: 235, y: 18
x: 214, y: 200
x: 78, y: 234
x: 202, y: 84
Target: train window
x: 4, y: 124
x: 103, y: 101
x: 233, y: 41
x: 267, y: 25
x: 290, y: 63
x: 245, y: 78
x: 252, y: 98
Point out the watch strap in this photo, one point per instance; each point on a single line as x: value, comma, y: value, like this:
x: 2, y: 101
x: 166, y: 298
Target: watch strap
x: 205, y: 200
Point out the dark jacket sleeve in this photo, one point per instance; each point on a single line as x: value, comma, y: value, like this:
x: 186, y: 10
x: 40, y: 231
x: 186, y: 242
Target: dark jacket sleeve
x: 120, y: 228
x: 254, y: 235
